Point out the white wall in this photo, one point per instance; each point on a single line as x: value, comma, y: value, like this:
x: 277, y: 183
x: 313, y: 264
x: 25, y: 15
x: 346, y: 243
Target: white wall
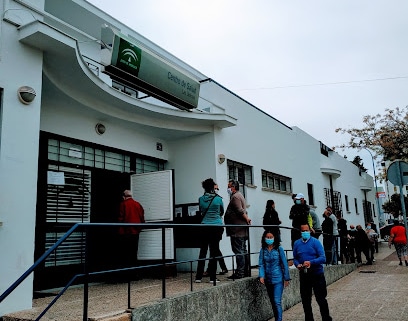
x: 19, y: 65
x: 69, y: 118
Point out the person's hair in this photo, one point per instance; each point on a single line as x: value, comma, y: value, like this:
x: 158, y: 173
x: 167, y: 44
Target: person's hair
x: 127, y: 193
x: 208, y: 185
x: 234, y: 183
x: 269, y: 203
x: 396, y: 222
x: 276, y: 243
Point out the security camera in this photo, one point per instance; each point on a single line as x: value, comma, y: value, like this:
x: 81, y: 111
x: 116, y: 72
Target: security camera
x: 26, y: 94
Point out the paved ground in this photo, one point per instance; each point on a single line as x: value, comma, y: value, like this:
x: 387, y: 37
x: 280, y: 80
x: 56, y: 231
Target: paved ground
x: 377, y: 292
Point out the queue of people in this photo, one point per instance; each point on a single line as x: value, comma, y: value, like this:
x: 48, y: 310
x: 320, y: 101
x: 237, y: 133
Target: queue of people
x: 339, y: 243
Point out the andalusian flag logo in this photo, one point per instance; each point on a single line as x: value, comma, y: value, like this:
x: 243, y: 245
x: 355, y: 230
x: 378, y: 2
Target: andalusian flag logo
x: 129, y: 57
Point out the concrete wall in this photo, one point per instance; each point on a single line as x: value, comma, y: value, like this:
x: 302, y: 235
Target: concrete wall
x: 240, y: 300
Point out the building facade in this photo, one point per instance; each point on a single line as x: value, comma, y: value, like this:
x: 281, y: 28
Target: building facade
x: 78, y: 125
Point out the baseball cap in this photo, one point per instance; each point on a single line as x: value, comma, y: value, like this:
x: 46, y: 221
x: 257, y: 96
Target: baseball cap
x: 299, y: 196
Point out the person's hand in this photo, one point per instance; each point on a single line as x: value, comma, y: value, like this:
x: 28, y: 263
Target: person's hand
x: 262, y: 280
x: 286, y: 283
x: 306, y: 264
x: 299, y: 266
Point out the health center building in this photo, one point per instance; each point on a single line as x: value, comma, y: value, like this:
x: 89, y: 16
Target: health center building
x: 89, y: 107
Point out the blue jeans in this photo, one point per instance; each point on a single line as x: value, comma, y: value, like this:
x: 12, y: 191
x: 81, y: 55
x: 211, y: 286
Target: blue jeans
x: 238, y: 246
x: 275, y: 292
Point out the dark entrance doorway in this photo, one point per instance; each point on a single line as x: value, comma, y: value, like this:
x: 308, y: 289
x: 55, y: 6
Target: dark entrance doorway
x: 107, y: 189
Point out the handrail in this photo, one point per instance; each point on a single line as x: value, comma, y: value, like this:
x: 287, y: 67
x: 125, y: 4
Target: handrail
x: 38, y: 262
x: 163, y: 226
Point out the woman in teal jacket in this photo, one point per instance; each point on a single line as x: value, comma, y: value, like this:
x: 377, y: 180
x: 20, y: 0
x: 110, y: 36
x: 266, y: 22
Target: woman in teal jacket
x: 273, y: 271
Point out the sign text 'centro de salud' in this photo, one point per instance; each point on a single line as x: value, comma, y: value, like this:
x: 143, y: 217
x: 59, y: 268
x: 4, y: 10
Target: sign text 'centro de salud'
x: 152, y: 75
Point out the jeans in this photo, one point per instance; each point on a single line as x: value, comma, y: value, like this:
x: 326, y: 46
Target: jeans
x: 317, y: 283
x: 275, y: 292
x: 238, y: 246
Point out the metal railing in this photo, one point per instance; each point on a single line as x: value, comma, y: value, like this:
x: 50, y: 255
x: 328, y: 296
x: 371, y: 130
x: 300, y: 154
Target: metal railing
x: 87, y: 274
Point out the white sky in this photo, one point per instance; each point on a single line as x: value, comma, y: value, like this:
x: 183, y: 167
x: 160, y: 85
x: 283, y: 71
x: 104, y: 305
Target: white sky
x: 256, y: 47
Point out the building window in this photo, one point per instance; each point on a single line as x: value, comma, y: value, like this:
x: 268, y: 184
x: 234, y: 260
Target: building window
x: 93, y: 157
x: 324, y: 150
x: 240, y: 172
x: 276, y: 182
x: 355, y: 205
x: 310, y: 194
x: 347, y: 203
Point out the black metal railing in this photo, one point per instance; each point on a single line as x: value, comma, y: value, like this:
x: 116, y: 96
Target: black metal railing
x: 86, y: 275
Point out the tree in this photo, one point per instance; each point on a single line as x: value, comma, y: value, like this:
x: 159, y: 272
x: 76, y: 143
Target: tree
x: 386, y: 135
x: 394, y: 205
x: 358, y: 162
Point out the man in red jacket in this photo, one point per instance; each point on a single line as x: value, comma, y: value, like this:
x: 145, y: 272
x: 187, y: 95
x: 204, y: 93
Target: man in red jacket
x: 130, y: 211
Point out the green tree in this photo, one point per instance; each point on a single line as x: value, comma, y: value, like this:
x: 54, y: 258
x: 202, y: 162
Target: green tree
x: 358, y: 162
x: 394, y: 205
x: 386, y: 135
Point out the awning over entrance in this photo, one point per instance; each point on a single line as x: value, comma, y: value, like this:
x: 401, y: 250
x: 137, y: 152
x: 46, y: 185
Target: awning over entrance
x: 68, y: 72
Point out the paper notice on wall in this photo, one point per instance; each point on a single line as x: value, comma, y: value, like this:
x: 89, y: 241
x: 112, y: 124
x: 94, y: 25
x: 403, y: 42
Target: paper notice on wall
x: 55, y: 178
x: 192, y: 210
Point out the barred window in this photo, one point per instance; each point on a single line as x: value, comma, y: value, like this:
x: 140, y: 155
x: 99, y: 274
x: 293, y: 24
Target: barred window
x: 240, y: 172
x: 276, y: 182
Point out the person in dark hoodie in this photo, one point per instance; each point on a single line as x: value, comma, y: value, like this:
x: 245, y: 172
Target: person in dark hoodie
x: 271, y: 217
x: 299, y: 214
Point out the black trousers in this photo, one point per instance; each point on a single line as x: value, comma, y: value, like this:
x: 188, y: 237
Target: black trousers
x: 317, y: 283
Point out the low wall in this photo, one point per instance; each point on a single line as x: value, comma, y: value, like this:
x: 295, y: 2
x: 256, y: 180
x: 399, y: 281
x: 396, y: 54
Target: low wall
x: 240, y: 300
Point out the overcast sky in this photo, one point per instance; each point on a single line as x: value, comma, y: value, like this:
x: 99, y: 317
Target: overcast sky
x: 314, y: 64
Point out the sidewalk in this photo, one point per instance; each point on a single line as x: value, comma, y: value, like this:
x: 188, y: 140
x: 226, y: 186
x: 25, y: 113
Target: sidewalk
x: 376, y: 292
x: 373, y: 292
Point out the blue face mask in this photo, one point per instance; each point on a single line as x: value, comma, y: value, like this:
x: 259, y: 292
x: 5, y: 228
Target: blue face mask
x: 298, y: 202
x: 269, y: 241
x: 306, y: 235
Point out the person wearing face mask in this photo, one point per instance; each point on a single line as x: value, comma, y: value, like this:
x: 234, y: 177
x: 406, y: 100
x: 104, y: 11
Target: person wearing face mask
x: 220, y: 259
x: 299, y: 214
x: 308, y: 257
x: 236, y: 214
x: 212, y: 206
x: 273, y: 271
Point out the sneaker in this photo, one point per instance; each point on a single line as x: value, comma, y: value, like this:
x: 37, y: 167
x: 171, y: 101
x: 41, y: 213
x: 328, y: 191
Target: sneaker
x: 400, y: 263
x: 197, y: 281
x: 234, y: 277
x: 216, y: 281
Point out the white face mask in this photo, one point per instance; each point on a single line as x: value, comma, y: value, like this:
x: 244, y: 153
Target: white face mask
x: 229, y: 191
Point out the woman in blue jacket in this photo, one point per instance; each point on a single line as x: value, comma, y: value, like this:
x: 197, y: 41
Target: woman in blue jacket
x: 273, y: 271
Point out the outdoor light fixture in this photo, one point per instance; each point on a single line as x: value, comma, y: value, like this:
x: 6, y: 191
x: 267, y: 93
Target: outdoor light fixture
x: 26, y: 94
x: 221, y: 158
x: 100, y: 128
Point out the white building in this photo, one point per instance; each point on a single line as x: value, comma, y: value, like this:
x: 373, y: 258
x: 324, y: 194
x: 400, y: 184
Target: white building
x: 67, y: 155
